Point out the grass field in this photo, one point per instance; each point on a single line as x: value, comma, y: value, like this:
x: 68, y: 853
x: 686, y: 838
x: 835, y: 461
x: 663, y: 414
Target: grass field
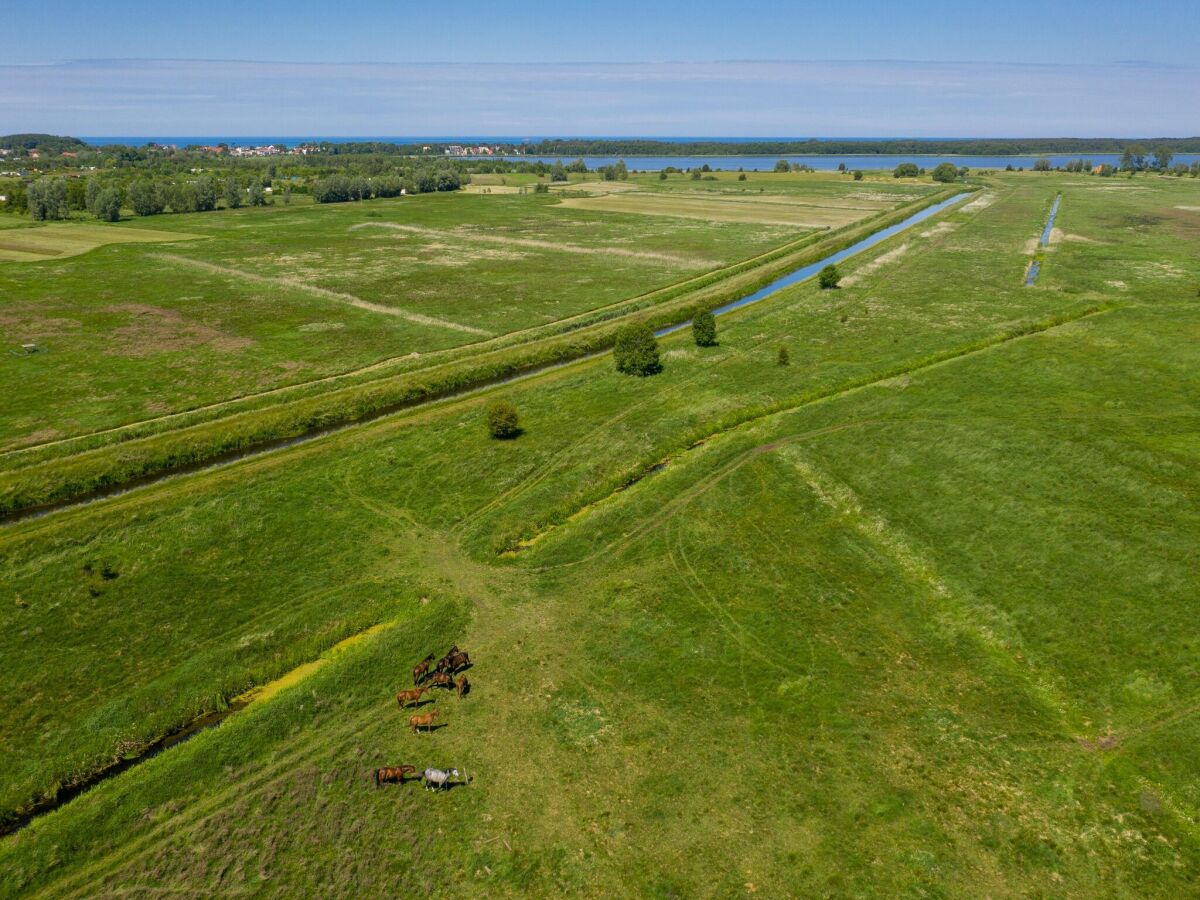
x: 286, y: 295
x: 59, y: 240
x: 911, y: 616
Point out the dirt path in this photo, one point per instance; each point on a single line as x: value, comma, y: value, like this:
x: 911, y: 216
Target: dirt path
x: 296, y: 284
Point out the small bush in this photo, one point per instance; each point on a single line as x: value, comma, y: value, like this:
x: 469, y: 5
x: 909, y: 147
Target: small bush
x: 782, y: 358
x: 704, y: 329
x: 502, y: 421
x: 829, y: 277
x: 858, y: 175
x: 636, y: 350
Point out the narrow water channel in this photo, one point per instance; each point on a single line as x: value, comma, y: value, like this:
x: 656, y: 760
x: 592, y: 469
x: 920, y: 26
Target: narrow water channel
x: 1035, y: 265
x: 809, y: 271
x: 193, y: 728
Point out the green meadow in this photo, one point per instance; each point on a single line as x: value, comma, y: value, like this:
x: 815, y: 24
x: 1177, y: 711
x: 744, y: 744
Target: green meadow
x: 913, y: 615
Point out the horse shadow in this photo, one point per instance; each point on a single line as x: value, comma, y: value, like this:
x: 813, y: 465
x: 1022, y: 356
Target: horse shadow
x: 437, y: 726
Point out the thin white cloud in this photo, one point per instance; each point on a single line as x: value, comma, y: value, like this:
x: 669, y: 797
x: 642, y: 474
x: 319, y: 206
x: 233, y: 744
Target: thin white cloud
x: 198, y: 97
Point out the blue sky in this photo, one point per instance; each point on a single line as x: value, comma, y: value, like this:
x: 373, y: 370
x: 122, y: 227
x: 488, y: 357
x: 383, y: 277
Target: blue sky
x: 753, y: 68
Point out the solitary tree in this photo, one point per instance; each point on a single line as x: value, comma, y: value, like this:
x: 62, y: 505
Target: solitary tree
x: 145, y: 199
x: 502, y: 421
x: 782, y: 166
x: 1041, y: 165
x: 782, y: 358
x: 233, y: 193
x: 945, y: 173
x: 107, y: 204
x: 206, y: 193
x: 47, y: 199
x: 858, y: 175
x: 829, y: 277
x: 90, y: 192
x: 704, y: 328
x: 906, y: 170
x: 256, y: 195
x: 1162, y: 158
x: 636, y: 350
x: 1134, y: 158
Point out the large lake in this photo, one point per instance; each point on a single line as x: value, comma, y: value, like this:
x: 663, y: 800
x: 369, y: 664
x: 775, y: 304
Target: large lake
x: 873, y: 161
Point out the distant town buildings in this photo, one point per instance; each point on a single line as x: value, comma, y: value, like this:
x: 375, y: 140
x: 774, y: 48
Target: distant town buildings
x: 459, y: 150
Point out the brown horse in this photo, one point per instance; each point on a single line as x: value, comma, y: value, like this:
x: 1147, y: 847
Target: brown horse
x: 425, y: 721
x: 462, y: 685
x: 406, y: 697
x: 421, y: 669
x: 441, y: 679
x: 394, y: 774
x: 458, y: 660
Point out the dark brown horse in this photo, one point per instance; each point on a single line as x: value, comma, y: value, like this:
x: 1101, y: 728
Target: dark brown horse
x: 441, y: 679
x: 421, y: 669
x: 458, y: 660
x: 462, y: 685
x: 406, y: 697
x: 394, y: 774
x: 425, y: 721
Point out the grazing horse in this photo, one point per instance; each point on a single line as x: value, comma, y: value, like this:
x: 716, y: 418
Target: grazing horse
x: 458, y: 660
x: 421, y: 669
x: 439, y: 779
x: 425, y: 721
x: 462, y: 685
x: 406, y: 697
x: 441, y: 679
x: 394, y: 774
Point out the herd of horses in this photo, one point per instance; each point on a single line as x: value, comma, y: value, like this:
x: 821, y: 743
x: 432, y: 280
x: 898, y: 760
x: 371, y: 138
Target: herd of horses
x: 426, y: 677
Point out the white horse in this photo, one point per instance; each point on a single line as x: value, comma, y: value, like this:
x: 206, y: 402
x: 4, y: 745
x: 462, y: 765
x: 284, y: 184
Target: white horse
x: 439, y: 779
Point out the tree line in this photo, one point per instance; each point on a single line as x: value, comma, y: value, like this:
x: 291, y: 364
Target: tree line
x: 813, y: 146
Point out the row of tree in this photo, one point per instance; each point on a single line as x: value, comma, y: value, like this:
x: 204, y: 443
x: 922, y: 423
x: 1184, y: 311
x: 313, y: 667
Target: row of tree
x: 50, y: 198
x: 342, y: 188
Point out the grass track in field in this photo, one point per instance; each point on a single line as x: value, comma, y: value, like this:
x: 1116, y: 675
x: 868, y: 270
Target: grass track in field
x: 714, y: 209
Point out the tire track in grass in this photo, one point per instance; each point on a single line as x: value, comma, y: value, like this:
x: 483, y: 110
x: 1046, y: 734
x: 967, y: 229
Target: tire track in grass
x: 297, y: 285
x: 674, y: 259
x: 960, y: 608
x: 834, y: 393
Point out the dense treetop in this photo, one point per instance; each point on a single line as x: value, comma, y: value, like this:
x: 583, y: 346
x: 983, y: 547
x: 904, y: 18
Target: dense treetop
x: 50, y: 143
